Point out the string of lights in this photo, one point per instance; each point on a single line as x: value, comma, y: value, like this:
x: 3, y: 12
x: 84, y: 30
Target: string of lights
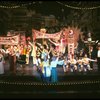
x: 9, y: 7
x: 59, y: 83
x: 31, y: 3
x: 17, y: 6
x: 80, y: 8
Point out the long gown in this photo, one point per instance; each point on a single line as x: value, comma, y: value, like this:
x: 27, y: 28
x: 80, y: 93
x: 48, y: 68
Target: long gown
x: 1, y: 64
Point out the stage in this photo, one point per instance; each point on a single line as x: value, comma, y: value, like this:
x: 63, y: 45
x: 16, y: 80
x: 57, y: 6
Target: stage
x: 69, y: 85
x: 27, y: 83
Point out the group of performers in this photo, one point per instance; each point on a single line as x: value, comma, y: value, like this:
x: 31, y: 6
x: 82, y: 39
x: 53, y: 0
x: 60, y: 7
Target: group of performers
x: 46, y: 57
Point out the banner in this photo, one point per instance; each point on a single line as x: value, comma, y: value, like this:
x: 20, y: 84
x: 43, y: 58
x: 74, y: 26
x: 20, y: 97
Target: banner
x: 70, y: 44
x: 39, y: 35
x: 22, y: 39
x: 9, y: 40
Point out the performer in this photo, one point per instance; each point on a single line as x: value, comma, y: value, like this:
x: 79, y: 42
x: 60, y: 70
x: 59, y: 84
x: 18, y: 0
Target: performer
x: 1, y: 63
x: 12, y: 60
x: 53, y: 51
x: 44, y: 49
x: 44, y: 52
x: 57, y: 44
x: 53, y: 66
x: 73, y: 62
x: 80, y: 64
x: 98, y: 58
x: 33, y: 54
x: 38, y: 60
x: 93, y: 56
x: 63, y: 43
x: 23, y: 53
x: 65, y: 65
x: 28, y: 50
x: 86, y: 64
x: 46, y: 70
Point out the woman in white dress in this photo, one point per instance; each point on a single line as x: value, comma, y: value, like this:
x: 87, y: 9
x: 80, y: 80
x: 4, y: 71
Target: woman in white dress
x: 1, y: 64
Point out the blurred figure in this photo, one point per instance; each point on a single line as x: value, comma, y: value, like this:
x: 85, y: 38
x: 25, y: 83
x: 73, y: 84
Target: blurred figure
x: 98, y: 58
x: 93, y: 56
x: 73, y: 62
x: 46, y: 70
x: 1, y: 63
x: 86, y: 62
x: 33, y: 53
x: 80, y: 65
x: 53, y: 66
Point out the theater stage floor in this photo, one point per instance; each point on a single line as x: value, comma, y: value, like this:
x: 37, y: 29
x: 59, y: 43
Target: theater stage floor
x: 27, y: 83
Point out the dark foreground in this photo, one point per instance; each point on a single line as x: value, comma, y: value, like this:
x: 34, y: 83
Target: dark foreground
x: 69, y: 86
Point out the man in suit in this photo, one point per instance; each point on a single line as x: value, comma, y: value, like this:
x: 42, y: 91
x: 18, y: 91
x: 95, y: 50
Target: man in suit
x: 98, y: 58
x: 93, y: 56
